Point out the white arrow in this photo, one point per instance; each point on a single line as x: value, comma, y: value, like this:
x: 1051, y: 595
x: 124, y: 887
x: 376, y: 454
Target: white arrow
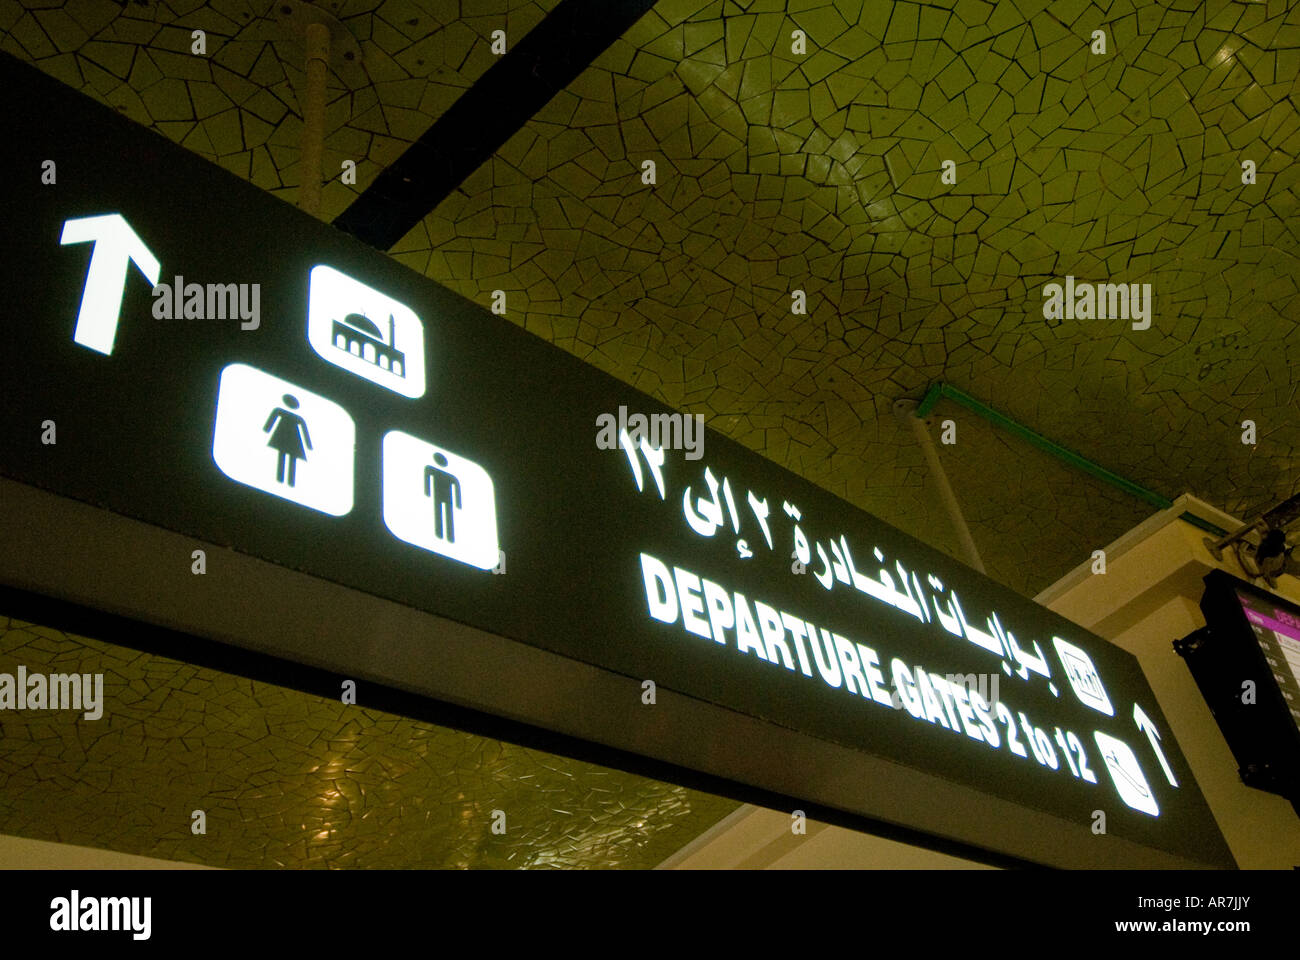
x: 116, y: 244
x: 1148, y: 726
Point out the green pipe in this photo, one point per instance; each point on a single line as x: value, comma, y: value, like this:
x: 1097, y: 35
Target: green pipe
x: 939, y: 390
x: 1205, y: 525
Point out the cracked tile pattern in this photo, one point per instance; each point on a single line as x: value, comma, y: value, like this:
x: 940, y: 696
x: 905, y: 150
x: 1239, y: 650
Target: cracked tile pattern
x: 778, y: 171
x: 821, y: 171
x: 288, y: 779
x: 239, y: 105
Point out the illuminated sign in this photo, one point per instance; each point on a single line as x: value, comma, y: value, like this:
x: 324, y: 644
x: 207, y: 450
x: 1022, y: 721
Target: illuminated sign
x: 346, y: 326
x: 284, y: 439
x: 438, y: 500
x: 789, y: 638
x: 376, y: 430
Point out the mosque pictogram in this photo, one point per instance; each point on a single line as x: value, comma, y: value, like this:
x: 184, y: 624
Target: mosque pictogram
x: 361, y: 337
x: 365, y: 332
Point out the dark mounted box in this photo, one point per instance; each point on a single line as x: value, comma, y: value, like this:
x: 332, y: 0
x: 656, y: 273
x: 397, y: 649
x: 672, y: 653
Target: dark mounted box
x: 1246, y: 661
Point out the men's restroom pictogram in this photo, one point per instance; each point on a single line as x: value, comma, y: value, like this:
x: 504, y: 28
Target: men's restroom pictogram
x: 439, y: 501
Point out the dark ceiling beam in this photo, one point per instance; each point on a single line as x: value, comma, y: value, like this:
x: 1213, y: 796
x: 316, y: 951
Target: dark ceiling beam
x: 528, y: 75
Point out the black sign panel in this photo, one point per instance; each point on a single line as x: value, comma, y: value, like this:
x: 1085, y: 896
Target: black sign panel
x: 210, y: 360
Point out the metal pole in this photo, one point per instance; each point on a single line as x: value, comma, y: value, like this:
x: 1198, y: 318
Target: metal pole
x: 313, y: 118
x: 906, y: 410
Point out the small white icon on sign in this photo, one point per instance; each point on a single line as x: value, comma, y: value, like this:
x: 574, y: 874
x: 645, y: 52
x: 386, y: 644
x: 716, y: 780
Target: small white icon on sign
x: 1083, y: 676
x: 1126, y: 773
x: 274, y: 435
x: 365, y: 332
x: 439, y: 501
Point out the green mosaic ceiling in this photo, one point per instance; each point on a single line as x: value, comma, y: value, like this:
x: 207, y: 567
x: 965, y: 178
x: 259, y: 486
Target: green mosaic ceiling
x: 289, y: 779
x: 239, y: 104
x: 822, y: 172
